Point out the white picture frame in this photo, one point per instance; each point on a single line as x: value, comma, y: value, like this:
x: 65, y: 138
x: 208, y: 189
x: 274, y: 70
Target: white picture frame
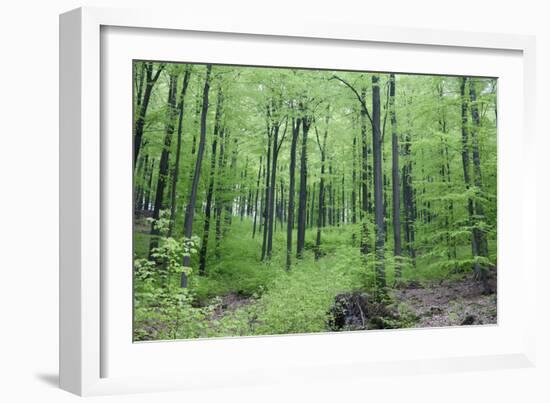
x: 97, y: 357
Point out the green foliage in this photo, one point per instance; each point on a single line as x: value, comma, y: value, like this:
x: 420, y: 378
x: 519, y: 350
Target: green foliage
x: 242, y: 294
x: 162, y: 308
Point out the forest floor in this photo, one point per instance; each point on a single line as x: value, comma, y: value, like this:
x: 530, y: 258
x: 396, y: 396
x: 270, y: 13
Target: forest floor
x: 437, y: 304
x: 242, y: 296
x: 449, y: 303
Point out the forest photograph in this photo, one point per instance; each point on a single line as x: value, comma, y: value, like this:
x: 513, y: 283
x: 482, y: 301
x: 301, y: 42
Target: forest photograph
x: 273, y: 201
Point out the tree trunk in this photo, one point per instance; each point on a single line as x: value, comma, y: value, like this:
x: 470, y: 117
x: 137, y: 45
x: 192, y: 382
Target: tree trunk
x: 141, y: 172
x: 190, y: 210
x: 267, y: 198
x: 256, y: 197
x: 148, y: 191
x: 321, y: 203
x: 176, y: 169
x: 219, y: 200
x: 396, y: 202
x: 291, y: 190
x: 354, y: 183
x: 306, y: 122
x: 482, y: 238
x: 467, y: 179
x: 164, y: 162
x: 151, y: 79
x: 208, y: 208
x: 365, y: 177
x: 378, y: 196
x: 272, y: 184
x: 479, y: 211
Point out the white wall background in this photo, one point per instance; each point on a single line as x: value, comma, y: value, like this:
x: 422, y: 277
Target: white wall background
x: 29, y: 201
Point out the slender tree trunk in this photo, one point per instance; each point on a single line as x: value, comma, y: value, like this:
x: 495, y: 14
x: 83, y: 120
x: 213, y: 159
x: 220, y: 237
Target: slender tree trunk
x: 343, y: 200
x: 272, y: 185
x: 255, y: 211
x: 330, y: 194
x: 151, y: 79
x: 164, y: 162
x: 219, y: 200
x: 208, y: 208
x: 321, y: 203
x: 396, y: 201
x: 479, y: 211
x: 176, y: 169
x: 482, y: 238
x: 467, y: 179
x: 354, y: 183
x: 141, y: 172
x: 365, y: 177
x: 312, y: 207
x: 267, y: 198
x: 190, y: 210
x: 291, y: 190
x: 306, y: 122
x: 148, y: 192
x: 378, y: 197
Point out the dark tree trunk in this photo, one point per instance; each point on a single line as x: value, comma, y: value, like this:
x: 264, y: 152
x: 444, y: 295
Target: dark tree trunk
x: 148, y: 192
x: 256, y: 197
x: 321, y: 203
x: 267, y: 197
x: 446, y: 179
x: 176, y: 169
x: 365, y: 177
x: 164, y: 162
x: 208, y: 208
x: 291, y: 190
x: 378, y: 197
x: 396, y: 202
x: 343, y: 201
x: 330, y: 195
x: 312, y: 207
x: 141, y: 173
x: 408, y: 198
x: 190, y: 210
x: 151, y: 79
x: 478, y: 207
x: 482, y: 238
x: 467, y: 179
x: 219, y: 201
x: 244, y: 185
x: 306, y: 122
x: 354, y: 183
x: 272, y: 184
x: 229, y: 203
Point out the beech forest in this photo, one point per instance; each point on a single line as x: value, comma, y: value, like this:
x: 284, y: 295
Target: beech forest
x: 283, y: 200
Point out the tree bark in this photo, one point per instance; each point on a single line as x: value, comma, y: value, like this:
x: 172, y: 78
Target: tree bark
x: 139, y: 125
x: 190, y: 210
x: 256, y: 197
x: 321, y: 203
x: 176, y: 169
x: 365, y: 179
x: 272, y: 184
x: 396, y: 201
x: 208, y: 208
x: 267, y: 197
x: 378, y: 196
x: 291, y: 190
x: 306, y: 122
x: 467, y: 179
x: 164, y: 162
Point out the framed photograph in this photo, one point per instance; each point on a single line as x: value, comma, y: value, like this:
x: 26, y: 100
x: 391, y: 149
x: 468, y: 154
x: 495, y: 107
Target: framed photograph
x: 245, y: 203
